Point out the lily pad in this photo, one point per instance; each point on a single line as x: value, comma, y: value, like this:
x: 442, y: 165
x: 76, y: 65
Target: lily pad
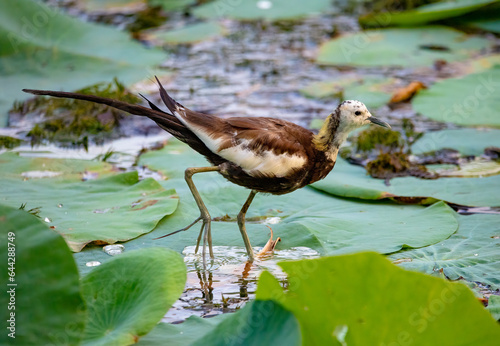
x: 129, y: 295
x: 494, y: 306
x: 349, y: 180
x: 492, y: 25
x: 112, y: 6
x: 466, y: 141
x: 373, y: 91
x: 261, y: 9
x: 102, y: 211
x: 407, y: 47
x: 14, y: 165
x: 45, y: 49
x: 48, y: 307
x: 363, y: 299
x: 172, y: 5
x: 191, y: 33
x: 258, y: 323
x: 471, y: 253
x: 425, y: 14
x: 471, y: 100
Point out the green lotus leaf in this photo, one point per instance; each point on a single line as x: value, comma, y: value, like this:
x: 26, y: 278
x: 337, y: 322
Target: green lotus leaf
x: 407, y: 47
x: 261, y: 9
x: 129, y: 295
x: 171, y: 5
x: 471, y: 253
x: 352, y: 181
x: 41, y: 48
x: 466, y: 141
x: 190, y: 33
x: 425, y: 14
x: 373, y: 91
x: 363, y: 299
x: 14, y: 165
x: 471, y: 100
x: 258, y: 323
x: 47, y: 304
x: 102, y: 211
x: 492, y: 25
x: 494, y: 306
x: 112, y: 6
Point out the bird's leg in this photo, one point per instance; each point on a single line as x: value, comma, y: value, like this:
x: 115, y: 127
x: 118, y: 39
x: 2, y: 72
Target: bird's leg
x: 204, y: 215
x: 241, y: 224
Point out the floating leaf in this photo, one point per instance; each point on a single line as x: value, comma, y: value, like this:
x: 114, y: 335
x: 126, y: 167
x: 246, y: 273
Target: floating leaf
x: 471, y: 253
x: 190, y: 33
x: 466, y: 141
x: 352, y: 181
x: 48, y: 308
x: 112, y: 6
x: 104, y: 211
x: 258, y: 323
x: 425, y: 14
x: 373, y: 91
x: 471, y: 100
x: 494, y: 306
x: 171, y: 5
x: 261, y: 9
x: 492, y: 25
x: 363, y: 299
x: 408, y: 47
x: 13, y: 165
x: 45, y: 49
x: 129, y: 295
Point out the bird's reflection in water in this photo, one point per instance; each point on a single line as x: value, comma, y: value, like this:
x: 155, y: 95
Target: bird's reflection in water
x: 206, y: 282
x: 228, y: 281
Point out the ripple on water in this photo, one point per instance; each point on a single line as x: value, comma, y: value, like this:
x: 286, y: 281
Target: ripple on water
x: 229, y: 280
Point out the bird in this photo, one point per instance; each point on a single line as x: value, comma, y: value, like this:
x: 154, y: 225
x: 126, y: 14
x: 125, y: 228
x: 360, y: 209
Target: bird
x: 263, y: 154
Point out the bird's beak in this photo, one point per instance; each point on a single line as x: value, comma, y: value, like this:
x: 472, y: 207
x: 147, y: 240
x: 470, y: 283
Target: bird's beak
x: 379, y: 122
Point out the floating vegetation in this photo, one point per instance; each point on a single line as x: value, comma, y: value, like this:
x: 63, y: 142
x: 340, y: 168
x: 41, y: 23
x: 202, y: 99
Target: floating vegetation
x: 379, y: 138
x: 73, y: 122
x: 8, y: 142
x: 151, y: 17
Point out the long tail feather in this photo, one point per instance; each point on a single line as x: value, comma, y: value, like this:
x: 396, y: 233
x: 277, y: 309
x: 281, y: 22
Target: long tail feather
x: 169, y: 102
x: 165, y: 120
x: 127, y: 107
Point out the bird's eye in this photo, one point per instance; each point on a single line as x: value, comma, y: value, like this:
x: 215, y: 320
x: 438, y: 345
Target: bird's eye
x: 357, y: 113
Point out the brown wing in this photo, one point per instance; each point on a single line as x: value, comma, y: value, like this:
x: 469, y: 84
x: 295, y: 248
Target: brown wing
x: 269, y: 134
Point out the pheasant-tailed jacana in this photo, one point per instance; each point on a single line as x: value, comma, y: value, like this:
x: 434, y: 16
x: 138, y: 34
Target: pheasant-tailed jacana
x: 262, y: 154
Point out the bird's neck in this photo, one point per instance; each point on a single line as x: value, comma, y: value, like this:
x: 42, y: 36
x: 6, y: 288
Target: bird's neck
x: 331, y: 136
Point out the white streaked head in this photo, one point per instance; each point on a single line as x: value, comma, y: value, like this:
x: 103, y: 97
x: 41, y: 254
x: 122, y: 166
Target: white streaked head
x: 354, y: 114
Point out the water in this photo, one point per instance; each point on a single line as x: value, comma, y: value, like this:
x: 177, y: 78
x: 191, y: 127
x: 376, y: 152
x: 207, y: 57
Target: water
x: 229, y: 281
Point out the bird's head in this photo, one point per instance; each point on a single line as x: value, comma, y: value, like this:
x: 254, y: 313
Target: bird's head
x: 353, y: 114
